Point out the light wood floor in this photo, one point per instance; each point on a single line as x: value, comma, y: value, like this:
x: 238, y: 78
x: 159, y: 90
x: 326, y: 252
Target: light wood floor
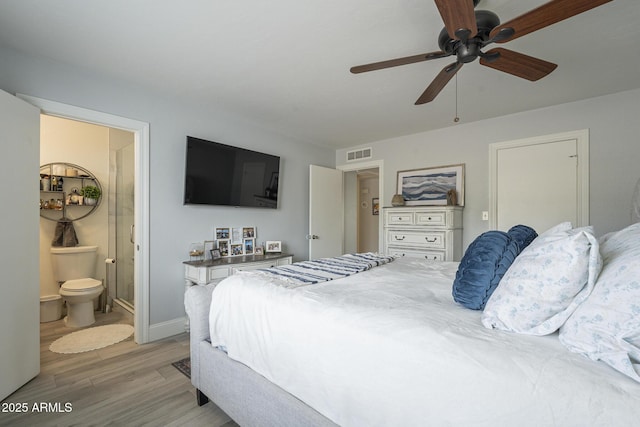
x: 121, y: 385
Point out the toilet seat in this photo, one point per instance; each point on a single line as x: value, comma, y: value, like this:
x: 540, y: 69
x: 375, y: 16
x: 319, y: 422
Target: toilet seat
x: 81, y: 285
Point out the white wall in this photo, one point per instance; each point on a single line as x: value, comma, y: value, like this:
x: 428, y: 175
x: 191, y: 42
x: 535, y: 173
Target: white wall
x: 614, y: 154
x: 172, y: 225
x: 85, y: 145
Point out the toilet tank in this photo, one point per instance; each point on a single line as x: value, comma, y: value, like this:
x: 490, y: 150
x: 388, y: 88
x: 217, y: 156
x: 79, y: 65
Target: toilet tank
x: 78, y: 262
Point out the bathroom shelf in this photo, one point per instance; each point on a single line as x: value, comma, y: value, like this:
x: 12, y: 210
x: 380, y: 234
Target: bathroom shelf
x: 73, y: 177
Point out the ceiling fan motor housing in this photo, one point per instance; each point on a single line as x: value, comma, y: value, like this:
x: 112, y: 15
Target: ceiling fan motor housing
x: 468, y: 51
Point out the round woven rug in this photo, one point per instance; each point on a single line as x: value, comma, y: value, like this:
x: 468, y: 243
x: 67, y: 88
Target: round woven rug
x: 91, y: 339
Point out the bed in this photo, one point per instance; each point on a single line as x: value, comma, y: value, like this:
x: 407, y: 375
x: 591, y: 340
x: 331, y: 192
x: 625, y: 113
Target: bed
x: 390, y: 346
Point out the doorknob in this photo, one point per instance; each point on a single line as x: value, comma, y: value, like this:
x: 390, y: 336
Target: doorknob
x: 312, y: 237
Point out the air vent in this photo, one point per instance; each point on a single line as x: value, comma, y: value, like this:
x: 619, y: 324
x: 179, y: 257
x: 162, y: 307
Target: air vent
x: 361, y: 154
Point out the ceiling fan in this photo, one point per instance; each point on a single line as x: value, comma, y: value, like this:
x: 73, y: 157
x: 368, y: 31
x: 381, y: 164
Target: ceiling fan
x: 467, y: 32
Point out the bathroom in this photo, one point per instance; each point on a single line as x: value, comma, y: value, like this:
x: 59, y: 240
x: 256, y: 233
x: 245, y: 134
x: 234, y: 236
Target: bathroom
x: 108, y: 154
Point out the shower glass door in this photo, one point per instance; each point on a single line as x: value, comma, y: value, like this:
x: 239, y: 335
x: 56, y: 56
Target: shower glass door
x: 125, y: 179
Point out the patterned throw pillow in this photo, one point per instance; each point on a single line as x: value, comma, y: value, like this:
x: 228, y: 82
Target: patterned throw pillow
x: 546, y: 283
x: 607, y: 325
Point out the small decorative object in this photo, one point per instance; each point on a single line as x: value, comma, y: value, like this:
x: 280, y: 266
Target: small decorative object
x: 91, y: 194
x: 215, y: 253
x: 452, y: 197
x: 397, y: 200
x: 273, y: 246
x: 375, y: 206
x: 196, y: 250
x: 45, y: 183
x: 429, y: 186
x: 74, y: 197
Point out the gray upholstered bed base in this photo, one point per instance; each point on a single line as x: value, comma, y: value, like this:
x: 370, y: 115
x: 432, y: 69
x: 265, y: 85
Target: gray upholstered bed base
x: 247, y: 397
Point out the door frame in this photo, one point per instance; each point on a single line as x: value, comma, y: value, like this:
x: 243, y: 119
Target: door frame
x: 582, y: 170
x: 371, y: 165
x: 141, y: 196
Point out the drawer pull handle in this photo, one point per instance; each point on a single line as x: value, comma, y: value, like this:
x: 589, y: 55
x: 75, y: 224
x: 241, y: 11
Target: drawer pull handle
x: 435, y: 239
x: 429, y: 218
x: 398, y: 237
x: 434, y: 258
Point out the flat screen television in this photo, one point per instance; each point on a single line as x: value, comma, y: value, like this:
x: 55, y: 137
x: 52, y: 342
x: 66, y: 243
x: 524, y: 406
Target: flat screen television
x: 219, y: 174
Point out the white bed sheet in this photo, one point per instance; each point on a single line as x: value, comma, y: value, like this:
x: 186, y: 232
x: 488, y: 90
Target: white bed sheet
x: 389, y: 346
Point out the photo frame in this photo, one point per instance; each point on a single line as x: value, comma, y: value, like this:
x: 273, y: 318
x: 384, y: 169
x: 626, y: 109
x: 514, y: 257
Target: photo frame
x: 273, y: 246
x: 249, y: 246
x: 208, y: 247
x: 236, y: 236
x: 429, y: 186
x: 223, y: 247
x: 236, y: 249
x: 215, y: 254
x: 248, y: 232
x: 258, y: 250
x: 221, y: 233
x: 375, y: 206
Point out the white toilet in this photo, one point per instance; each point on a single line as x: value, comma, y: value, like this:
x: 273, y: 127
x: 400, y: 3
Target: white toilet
x: 75, y: 267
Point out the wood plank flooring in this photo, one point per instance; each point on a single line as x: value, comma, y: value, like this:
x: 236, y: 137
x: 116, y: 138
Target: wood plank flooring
x: 125, y: 384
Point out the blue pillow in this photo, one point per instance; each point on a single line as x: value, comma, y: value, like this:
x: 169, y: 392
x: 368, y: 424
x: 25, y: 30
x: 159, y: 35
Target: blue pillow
x: 523, y: 235
x: 484, y: 263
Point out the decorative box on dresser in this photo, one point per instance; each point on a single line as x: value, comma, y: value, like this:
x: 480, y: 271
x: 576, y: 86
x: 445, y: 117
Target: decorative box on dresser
x: 431, y: 232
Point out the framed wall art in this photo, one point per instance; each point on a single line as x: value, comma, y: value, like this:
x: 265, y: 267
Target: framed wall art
x: 429, y: 186
x: 375, y: 206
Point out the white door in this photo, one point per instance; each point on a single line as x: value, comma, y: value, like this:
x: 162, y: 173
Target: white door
x: 19, y: 263
x: 325, y: 212
x: 541, y: 182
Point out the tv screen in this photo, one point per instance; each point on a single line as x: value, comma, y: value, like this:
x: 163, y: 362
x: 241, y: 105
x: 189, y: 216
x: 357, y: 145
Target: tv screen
x: 219, y: 174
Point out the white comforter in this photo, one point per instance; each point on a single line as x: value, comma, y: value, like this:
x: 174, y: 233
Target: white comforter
x: 389, y: 347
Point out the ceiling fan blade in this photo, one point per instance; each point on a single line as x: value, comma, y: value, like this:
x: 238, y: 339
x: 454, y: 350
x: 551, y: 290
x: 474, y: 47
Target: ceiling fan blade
x: 545, y: 15
x: 518, y: 64
x: 439, y: 83
x: 458, y: 17
x: 398, y: 61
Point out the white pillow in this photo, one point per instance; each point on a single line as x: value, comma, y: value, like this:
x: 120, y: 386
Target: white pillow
x: 607, y: 325
x: 546, y: 282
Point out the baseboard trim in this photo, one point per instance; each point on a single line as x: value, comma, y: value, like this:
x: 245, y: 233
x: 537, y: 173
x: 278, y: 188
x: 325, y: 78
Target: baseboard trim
x: 158, y: 331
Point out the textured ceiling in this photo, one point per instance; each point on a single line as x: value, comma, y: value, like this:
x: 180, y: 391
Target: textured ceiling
x: 284, y: 64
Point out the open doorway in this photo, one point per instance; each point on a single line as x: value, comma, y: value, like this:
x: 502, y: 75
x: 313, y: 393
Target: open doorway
x: 140, y: 233
x: 362, y: 210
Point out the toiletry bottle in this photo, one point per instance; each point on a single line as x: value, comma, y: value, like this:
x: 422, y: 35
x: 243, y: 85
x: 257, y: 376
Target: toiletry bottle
x: 54, y: 183
x: 60, y: 182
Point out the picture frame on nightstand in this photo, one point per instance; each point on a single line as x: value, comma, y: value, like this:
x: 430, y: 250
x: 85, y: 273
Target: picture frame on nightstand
x: 249, y: 246
x: 273, y: 246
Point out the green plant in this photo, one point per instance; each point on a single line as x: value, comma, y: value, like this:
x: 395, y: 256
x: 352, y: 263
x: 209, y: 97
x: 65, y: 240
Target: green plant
x: 91, y: 192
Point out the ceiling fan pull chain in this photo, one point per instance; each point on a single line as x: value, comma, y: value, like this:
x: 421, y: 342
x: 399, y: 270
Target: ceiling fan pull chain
x: 456, y: 119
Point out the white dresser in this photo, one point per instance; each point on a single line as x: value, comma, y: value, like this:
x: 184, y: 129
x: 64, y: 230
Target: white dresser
x: 431, y: 232
x: 213, y: 271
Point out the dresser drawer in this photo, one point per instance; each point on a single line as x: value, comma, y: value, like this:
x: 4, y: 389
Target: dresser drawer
x: 214, y: 274
x: 399, y: 218
x: 253, y: 266
x: 431, y: 239
x: 434, y: 218
x: 427, y: 255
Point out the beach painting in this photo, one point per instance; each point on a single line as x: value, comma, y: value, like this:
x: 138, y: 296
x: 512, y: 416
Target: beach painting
x: 429, y: 186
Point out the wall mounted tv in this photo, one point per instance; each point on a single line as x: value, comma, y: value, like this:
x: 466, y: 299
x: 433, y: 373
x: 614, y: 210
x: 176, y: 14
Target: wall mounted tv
x: 219, y: 174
